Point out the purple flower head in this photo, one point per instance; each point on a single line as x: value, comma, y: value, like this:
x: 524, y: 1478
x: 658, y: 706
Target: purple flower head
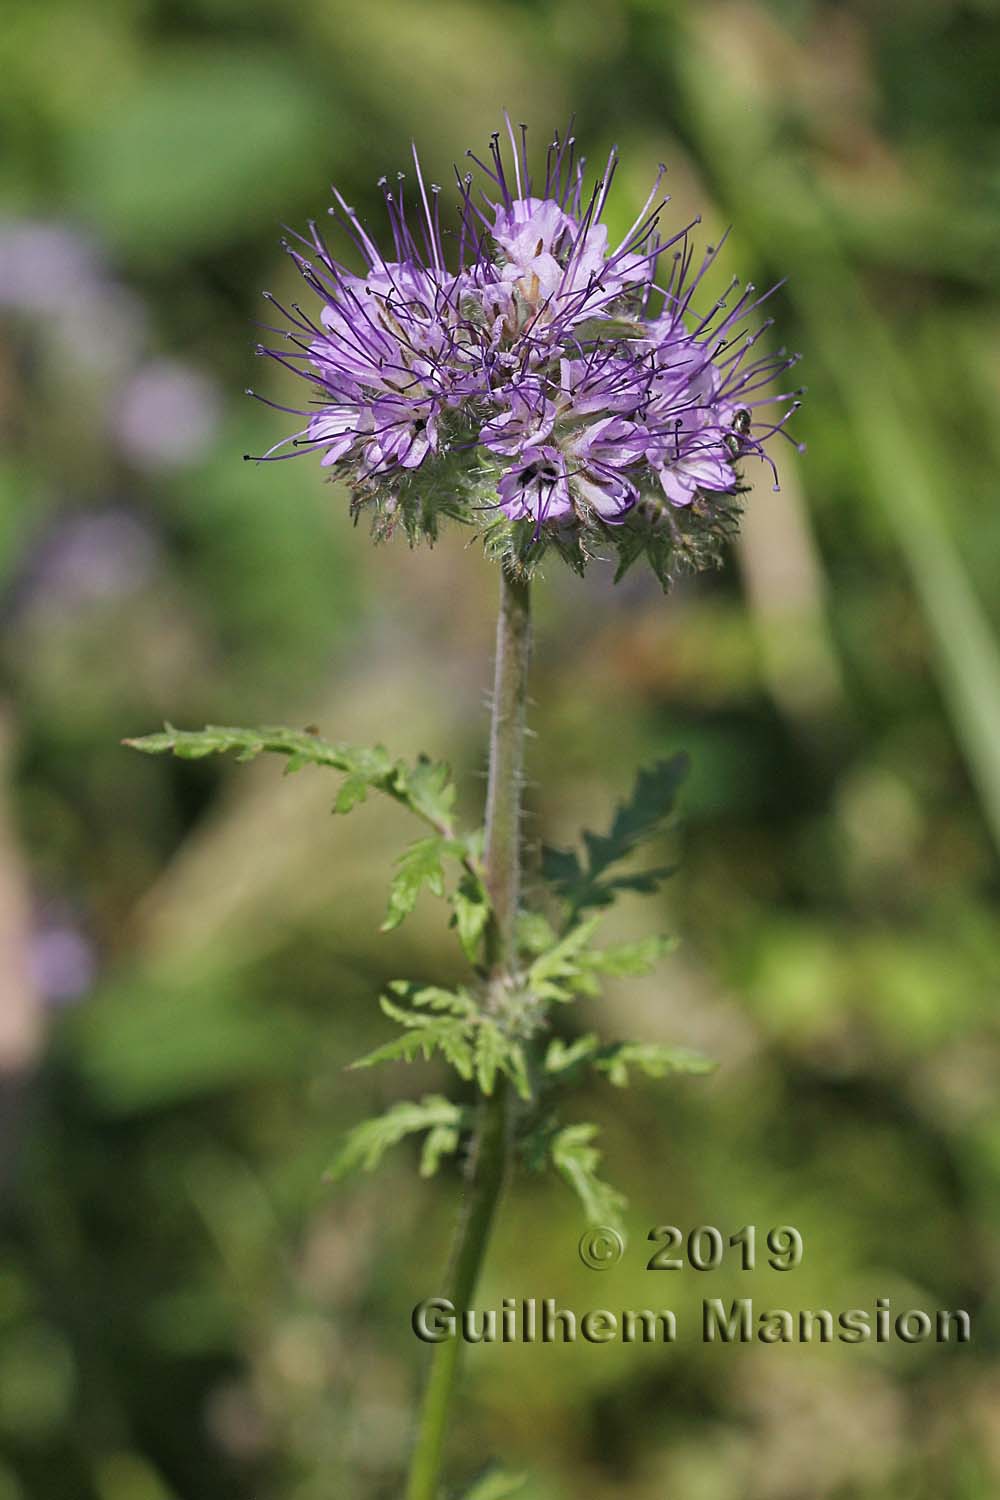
x: 526, y: 373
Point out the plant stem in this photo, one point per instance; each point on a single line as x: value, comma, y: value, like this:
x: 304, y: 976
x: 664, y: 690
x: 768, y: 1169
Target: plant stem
x: 503, y: 795
x: 487, y: 1167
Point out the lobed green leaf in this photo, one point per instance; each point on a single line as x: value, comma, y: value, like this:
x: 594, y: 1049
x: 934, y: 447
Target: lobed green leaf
x: 471, y: 914
x: 368, y: 1142
x: 535, y: 933
x: 577, y: 1160
x: 561, y: 1056
x: 654, y: 1059
x: 405, y: 1048
x: 425, y: 787
x: 622, y: 960
x: 559, y: 974
x: 459, y: 1002
x: 651, y: 1058
x: 419, y: 865
x: 446, y: 1027
x: 444, y: 1033
x: 516, y: 1067
x: 491, y: 1052
x: 440, y: 1141
x: 585, y: 884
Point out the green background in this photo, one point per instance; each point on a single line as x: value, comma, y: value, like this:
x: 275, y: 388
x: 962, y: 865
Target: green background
x: 190, y: 952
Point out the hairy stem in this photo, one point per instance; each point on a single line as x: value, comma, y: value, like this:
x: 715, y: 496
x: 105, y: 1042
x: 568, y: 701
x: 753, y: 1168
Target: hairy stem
x: 487, y: 1167
x: 503, y: 795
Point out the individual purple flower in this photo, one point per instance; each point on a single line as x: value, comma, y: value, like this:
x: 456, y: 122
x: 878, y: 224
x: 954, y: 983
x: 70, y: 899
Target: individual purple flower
x: 536, y: 488
x: 534, y: 379
x: 524, y: 415
x: 603, y: 456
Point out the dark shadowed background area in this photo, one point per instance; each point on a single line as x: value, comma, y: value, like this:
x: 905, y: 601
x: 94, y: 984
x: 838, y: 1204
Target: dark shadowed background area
x: 189, y: 953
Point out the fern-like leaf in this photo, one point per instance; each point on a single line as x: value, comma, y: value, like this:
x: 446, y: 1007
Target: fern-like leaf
x: 651, y: 1058
x: 491, y: 1051
x: 419, y: 865
x: 440, y: 1141
x: 432, y: 997
x: 562, y: 1056
x: 471, y: 914
x: 368, y: 1142
x: 405, y: 1048
x: 559, y: 974
x: 445, y: 1034
x: 425, y: 787
x: 577, y: 1160
x: 628, y: 960
x: 585, y: 884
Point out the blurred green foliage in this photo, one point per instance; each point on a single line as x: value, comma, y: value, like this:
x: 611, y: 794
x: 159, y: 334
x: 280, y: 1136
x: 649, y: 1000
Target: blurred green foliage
x: 186, y: 1311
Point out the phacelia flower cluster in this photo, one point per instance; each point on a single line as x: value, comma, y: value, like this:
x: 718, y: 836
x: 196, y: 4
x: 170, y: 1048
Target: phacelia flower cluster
x: 521, y: 372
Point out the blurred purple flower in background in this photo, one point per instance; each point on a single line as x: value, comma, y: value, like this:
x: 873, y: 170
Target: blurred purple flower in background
x: 62, y: 961
x: 83, y: 559
x: 167, y: 415
x: 46, y: 268
x: 163, y: 413
x: 72, y: 322
x: 54, y: 272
